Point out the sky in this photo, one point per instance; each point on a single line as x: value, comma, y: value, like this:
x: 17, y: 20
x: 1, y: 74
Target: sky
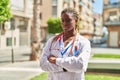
x: 98, y: 6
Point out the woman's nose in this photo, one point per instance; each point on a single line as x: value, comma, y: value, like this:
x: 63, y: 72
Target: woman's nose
x: 65, y: 21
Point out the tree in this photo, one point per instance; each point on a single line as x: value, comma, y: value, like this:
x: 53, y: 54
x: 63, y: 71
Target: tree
x: 35, y: 31
x: 5, y: 13
x: 54, y: 25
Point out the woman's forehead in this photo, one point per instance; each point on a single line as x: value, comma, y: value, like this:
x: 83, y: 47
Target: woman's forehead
x: 67, y: 15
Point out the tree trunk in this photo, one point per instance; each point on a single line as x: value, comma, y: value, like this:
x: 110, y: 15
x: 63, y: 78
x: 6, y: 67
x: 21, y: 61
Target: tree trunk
x: 35, y: 32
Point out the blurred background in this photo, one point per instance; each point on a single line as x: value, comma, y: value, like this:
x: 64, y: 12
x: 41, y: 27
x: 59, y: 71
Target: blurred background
x: 25, y: 26
x: 28, y: 28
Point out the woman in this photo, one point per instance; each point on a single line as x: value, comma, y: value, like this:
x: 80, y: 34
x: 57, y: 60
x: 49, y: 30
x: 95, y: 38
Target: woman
x: 66, y: 55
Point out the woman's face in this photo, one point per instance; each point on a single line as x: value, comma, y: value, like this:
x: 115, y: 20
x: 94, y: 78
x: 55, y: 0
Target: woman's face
x: 68, y: 22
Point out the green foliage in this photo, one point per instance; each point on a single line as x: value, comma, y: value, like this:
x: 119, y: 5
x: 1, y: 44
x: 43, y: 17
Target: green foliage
x: 88, y: 76
x: 97, y: 55
x: 42, y: 76
x: 54, y: 25
x: 101, y: 77
x: 5, y: 13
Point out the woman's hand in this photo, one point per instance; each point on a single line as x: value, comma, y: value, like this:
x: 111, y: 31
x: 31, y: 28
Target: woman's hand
x: 52, y: 59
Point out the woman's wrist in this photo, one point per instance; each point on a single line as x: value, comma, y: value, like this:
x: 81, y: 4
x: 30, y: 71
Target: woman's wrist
x: 52, y: 59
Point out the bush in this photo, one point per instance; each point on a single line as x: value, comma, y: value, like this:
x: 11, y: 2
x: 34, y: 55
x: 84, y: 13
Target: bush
x: 5, y: 13
x: 54, y: 25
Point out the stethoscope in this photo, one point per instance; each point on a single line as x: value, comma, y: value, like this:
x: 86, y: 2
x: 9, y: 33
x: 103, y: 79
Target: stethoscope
x: 76, y: 50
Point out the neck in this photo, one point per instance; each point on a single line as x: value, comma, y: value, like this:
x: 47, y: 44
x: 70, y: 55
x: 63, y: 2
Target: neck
x: 69, y: 34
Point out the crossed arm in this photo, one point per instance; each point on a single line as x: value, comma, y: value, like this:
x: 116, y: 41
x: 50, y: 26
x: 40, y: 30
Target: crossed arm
x: 72, y: 64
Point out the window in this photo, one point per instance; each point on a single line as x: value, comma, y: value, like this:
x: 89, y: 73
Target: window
x: 9, y: 41
x: 113, y: 16
x: 54, y: 2
x: 80, y: 0
x: 19, y: 6
x: 54, y: 11
x: 40, y: 15
x: 12, y: 23
x: 113, y: 13
x: 23, y: 25
x: 54, y: 8
x: 113, y: 1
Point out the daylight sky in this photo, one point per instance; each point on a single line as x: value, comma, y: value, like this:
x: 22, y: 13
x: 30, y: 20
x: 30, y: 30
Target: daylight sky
x: 98, y: 6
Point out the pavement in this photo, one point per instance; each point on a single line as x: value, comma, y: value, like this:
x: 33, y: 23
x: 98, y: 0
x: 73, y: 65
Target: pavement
x: 25, y: 70
x: 20, y: 70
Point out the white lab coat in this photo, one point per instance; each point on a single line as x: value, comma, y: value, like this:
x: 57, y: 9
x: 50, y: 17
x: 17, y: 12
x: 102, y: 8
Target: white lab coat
x: 75, y: 65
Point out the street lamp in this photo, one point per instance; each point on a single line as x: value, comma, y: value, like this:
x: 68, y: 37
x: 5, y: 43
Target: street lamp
x: 7, y: 27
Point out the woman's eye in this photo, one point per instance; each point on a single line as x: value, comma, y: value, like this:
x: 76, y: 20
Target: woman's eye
x: 66, y: 20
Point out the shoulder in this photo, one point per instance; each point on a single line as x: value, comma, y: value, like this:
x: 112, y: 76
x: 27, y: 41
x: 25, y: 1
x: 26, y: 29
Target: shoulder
x: 50, y: 39
x: 82, y: 38
x: 54, y: 38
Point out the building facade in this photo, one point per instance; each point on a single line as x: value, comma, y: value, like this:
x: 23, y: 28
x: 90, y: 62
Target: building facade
x: 111, y: 19
x: 98, y: 24
x: 18, y: 35
x: 86, y: 16
x: 84, y: 8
